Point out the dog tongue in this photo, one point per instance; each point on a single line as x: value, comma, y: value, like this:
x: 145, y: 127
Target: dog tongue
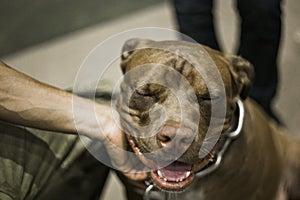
x: 176, y: 171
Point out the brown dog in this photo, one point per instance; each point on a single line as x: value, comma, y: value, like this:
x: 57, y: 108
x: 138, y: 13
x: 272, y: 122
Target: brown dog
x: 259, y: 162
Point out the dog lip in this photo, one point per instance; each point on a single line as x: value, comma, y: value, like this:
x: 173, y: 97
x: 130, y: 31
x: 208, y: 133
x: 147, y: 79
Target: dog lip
x: 173, y: 184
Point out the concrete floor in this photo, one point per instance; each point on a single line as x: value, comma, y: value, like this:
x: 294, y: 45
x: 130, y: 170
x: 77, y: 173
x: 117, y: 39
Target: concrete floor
x: 57, y: 61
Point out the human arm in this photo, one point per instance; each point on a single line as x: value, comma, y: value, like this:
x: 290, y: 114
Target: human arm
x: 26, y: 101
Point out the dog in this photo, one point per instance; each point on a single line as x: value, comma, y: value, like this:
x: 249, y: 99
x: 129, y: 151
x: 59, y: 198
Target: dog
x: 251, y: 157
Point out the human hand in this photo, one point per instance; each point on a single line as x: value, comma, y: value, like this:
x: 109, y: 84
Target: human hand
x: 117, y: 146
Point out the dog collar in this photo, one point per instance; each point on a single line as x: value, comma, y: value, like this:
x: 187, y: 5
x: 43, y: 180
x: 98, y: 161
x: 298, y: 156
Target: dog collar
x: 229, y: 137
x: 215, y: 164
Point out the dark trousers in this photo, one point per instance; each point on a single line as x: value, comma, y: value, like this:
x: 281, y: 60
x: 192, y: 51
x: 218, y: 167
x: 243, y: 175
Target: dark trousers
x: 259, y: 37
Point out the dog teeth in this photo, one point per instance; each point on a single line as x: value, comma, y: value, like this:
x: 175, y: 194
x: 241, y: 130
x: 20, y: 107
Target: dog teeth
x: 187, y: 174
x: 160, y: 174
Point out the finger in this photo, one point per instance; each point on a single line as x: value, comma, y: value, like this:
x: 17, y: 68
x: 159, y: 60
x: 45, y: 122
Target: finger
x: 136, y: 176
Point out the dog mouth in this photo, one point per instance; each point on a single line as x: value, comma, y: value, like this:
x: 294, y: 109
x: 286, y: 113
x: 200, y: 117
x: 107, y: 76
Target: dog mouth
x: 175, y: 177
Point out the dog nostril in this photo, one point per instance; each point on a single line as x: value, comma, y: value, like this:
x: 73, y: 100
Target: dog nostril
x: 164, y: 138
x: 175, y: 135
x: 166, y: 135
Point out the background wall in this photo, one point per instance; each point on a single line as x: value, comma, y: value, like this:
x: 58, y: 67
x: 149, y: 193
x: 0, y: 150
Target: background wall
x: 25, y: 23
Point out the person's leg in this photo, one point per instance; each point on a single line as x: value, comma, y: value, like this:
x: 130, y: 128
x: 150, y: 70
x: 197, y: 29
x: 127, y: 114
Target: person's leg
x: 195, y: 19
x: 259, y: 43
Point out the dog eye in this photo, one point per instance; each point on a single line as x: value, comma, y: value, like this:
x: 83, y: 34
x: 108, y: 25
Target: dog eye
x: 141, y: 102
x: 202, y: 97
x: 208, y: 97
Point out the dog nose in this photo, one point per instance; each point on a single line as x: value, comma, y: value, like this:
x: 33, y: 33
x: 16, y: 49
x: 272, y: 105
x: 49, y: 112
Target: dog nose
x: 166, y: 135
x: 175, y: 137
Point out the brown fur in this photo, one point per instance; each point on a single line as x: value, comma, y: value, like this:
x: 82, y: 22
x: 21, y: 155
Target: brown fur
x: 262, y: 164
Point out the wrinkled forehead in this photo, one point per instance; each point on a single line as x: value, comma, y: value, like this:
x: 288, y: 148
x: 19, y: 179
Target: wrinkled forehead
x: 190, y: 60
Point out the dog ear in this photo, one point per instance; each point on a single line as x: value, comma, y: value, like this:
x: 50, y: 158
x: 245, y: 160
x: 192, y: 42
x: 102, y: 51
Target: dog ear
x: 242, y: 72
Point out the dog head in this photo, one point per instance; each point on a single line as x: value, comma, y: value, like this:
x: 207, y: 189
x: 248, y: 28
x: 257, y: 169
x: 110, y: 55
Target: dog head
x: 166, y: 102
